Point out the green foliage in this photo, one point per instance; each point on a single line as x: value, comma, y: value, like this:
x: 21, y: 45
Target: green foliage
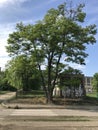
x: 92, y: 95
x: 95, y: 82
x: 22, y: 74
x: 58, y: 35
x: 2, y: 79
x: 71, y: 77
x: 4, y: 85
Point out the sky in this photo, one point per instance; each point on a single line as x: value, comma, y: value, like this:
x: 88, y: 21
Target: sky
x: 30, y: 11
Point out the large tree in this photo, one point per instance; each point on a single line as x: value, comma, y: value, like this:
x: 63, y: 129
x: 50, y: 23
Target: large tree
x: 60, y: 34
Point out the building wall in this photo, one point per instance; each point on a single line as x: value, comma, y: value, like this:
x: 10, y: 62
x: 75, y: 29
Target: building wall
x: 70, y: 90
x: 88, y: 84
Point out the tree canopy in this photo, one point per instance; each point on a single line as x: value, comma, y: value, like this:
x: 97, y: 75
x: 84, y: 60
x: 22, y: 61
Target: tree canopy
x: 58, y: 35
x: 23, y: 74
x: 95, y: 81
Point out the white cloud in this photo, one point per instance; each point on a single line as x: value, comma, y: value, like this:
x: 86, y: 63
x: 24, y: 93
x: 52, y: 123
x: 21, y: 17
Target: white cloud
x: 3, y: 62
x: 10, y: 1
x: 4, y: 32
x: 77, y: 66
x: 3, y: 54
x: 4, y: 3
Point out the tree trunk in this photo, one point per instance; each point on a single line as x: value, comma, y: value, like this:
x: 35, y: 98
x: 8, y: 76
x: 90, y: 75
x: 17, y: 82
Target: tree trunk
x: 49, y: 97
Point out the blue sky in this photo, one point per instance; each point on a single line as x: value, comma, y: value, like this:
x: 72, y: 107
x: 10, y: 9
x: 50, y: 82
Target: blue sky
x: 29, y: 11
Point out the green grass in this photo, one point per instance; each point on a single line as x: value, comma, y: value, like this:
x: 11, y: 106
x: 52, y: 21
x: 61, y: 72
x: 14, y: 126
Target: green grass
x: 93, y: 95
x: 3, y: 92
x: 29, y: 96
x: 63, y: 118
x: 54, y: 118
x: 92, y: 98
x: 33, y: 93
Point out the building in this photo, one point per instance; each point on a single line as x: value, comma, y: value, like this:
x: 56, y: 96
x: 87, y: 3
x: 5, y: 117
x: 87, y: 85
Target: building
x: 72, y: 85
x: 84, y: 86
x: 88, y: 84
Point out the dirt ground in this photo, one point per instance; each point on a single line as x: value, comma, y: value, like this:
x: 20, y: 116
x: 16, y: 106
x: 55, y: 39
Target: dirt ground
x: 28, y: 125
x: 19, y: 122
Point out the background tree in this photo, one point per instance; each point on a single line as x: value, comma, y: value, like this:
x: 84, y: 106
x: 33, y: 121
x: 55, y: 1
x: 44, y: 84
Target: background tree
x: 22, y: 74
x: 71, y: 79
x: 95, y: 82
x: 58, y: 35
x: 4, y: 85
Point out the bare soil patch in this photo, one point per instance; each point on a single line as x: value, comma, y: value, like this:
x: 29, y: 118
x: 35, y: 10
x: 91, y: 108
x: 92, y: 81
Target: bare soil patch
x: 40, y: 102
x: 50, y: 123
x: 47, y: 126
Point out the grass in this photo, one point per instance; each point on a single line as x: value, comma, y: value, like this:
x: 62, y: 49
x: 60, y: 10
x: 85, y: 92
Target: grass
x: 63, y: 118
x: 54, y: 118
x: 29, y: 94
x: 3, y: 92
x: 38, y: 97
x: 93, y: 95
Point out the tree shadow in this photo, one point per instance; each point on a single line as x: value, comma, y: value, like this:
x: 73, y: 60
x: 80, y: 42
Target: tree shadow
x: 87, y: 103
